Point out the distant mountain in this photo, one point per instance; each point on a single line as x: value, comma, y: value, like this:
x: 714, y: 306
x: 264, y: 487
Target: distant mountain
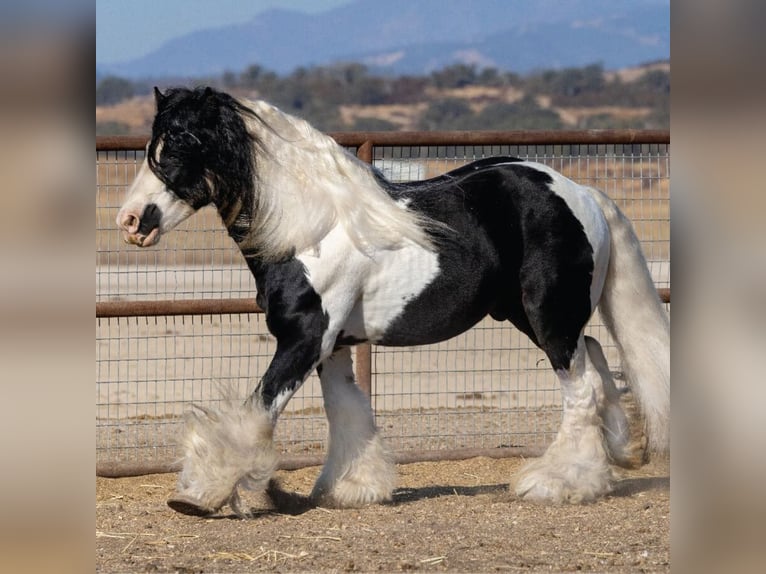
x: 418, y: 36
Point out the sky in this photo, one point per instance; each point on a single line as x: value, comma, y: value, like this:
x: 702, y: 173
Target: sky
x: 129, y: 29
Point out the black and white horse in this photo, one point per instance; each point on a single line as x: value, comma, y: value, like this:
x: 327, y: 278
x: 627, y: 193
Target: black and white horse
x: 341, y: 256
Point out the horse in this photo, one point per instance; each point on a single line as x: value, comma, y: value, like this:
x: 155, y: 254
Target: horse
x: 342, y: 256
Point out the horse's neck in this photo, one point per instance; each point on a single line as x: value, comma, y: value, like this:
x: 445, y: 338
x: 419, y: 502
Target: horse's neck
x: 303, y: 178
x: 307, y: 184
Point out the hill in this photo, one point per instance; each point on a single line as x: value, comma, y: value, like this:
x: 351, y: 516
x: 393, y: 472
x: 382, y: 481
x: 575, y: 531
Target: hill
x: 404, y: 37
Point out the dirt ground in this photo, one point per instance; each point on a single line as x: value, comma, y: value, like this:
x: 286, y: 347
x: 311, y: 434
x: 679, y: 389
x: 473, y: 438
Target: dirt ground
x: 458, y: 516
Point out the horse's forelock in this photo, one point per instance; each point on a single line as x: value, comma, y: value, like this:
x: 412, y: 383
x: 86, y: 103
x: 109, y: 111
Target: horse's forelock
x: 213, y: 118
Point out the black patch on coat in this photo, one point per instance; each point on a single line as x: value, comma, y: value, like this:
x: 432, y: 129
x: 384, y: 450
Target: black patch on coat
x: 294, y: 315
x: 518, y: 253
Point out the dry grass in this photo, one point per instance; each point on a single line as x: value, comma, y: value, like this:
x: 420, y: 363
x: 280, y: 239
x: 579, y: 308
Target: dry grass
x: 632, y: 74
x: 404, y: 116
x: 575, y: 116
x: 137, y: 113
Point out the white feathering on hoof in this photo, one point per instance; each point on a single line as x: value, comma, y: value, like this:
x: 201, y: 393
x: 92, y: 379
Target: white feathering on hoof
x: 368, y: 478
x: 224, y: 448
x: 575, y: 467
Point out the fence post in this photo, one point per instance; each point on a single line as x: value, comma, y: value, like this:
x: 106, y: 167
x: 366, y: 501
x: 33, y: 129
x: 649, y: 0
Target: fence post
x: 364, y: 351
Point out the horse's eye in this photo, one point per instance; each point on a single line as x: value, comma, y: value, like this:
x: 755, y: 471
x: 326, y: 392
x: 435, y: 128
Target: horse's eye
x: 185, y: 141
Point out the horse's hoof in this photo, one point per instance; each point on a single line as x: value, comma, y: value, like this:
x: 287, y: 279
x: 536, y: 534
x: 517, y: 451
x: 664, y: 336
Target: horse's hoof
x: 189, y: 506
x: 546, y: 481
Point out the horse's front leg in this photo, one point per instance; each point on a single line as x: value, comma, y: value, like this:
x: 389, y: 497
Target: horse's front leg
x: 358, y: 469
x: 232, y: 445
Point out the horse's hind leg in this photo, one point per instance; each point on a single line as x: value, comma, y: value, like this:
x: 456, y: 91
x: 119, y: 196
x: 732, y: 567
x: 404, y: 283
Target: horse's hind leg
x: 613, y: 419
x: 358, y: 470
x: 575, y: 468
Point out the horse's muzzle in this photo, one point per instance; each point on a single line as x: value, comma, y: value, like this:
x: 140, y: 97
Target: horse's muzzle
x: 142, y: 230
x: 140, y: 239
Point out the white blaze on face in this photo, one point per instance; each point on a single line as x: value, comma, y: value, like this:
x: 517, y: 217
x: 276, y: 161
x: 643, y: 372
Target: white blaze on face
x: 148, y: 189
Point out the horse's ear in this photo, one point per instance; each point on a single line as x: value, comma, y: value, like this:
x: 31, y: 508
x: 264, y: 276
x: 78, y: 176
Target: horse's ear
x: 208, y: 92
x: 158, y: 97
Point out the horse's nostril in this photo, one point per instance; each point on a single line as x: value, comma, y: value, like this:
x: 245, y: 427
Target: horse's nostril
x: 130, y: 221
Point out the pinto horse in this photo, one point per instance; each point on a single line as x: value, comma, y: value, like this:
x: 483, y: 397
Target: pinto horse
x: 342, y: 256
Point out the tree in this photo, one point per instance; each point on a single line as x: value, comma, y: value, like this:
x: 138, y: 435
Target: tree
x: 229, y: 80
x: 446, y: 114
x: 522, y: 115
x: 584, y: 86
x: 407, y: 90
x: 455, y: 76
x: 250, y: 76
x: 492, y: 77
x: 655, y: 81
x: 367, y: 124
x: 112, y: 90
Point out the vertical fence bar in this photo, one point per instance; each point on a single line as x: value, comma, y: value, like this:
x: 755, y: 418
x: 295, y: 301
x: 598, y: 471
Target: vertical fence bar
x: 364, y: 351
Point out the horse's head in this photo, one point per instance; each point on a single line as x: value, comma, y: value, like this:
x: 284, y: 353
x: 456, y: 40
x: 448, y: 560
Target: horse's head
x: 187, y: 158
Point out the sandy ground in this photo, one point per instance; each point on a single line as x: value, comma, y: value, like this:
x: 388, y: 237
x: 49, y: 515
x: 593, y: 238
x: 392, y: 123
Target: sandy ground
x: 457, y: 516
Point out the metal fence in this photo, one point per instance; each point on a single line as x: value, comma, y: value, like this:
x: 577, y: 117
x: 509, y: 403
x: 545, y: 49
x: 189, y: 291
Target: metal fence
x: 177, y: 324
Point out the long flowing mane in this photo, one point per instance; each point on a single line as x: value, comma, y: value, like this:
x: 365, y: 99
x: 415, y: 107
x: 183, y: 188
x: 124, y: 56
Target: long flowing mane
x: 306, y: 184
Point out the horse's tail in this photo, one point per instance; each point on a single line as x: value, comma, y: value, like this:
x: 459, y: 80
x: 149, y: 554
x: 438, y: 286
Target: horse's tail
x: 634, y: 315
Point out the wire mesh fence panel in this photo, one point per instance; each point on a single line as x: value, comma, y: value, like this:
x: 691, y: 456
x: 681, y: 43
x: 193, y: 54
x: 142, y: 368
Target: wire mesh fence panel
x: 489, y: 387
x: 149, y: 371
x: 466, y: 392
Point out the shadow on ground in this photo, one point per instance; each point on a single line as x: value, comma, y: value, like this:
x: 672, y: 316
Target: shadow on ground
x: 280, y: 501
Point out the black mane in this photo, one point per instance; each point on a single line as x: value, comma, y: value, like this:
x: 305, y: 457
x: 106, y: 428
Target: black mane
x: 207, y: 152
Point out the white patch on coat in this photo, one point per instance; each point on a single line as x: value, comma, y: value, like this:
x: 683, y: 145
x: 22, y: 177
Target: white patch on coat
x: 225, y: 447
x: 615, y: 425
x: 363, y: 293
x: 575, y: 467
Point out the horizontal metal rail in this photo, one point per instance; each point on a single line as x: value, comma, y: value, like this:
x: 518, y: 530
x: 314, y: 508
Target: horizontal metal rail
x: 459, y: 138
x: 296, y: 461
x: 180, y: 307
x: 165, y: 308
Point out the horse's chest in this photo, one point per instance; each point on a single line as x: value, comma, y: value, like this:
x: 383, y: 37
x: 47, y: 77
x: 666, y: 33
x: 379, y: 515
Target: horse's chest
x: 364, y: 294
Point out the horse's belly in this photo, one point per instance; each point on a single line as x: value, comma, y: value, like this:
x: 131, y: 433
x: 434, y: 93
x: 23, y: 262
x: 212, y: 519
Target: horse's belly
x: 418, y: 302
